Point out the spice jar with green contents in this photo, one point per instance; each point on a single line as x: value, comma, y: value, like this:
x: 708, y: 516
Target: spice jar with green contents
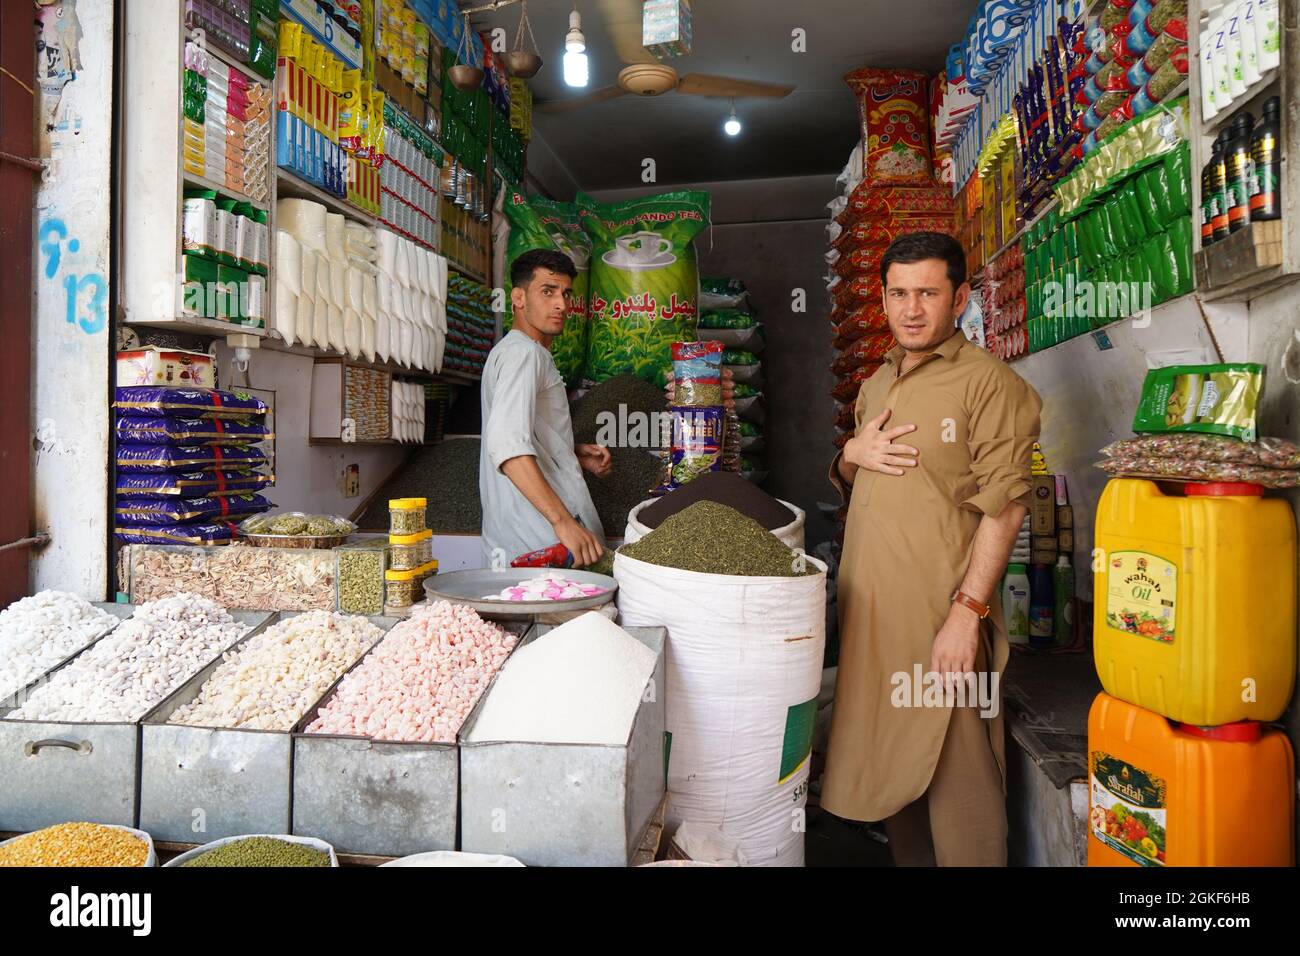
x: 407, y: 515
x: 406, y: 588
x: 359, y: 576
x: 406, y: 552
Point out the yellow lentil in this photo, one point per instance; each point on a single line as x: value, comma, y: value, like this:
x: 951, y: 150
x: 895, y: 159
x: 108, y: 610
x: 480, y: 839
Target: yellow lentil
x: 76, y: 844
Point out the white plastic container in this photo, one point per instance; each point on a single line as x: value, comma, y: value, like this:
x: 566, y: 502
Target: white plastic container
x: 1236, y: 54
x: 1209, y: 86
x: 1217, y: 36
x: 1249, y: 41
x: 1269, y: 31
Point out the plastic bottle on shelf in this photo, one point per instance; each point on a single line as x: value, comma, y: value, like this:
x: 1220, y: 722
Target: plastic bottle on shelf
x: 1015, y: 603
x: 1265, y: 153
x: 1269, y: 32
x: 1236, y: 53
x: 1240, y: 171
x: 1042, y: 604
x: 1219, y: 185
x: 1211, y: 192
x: 1063, y: 589
x: 1249, y: 41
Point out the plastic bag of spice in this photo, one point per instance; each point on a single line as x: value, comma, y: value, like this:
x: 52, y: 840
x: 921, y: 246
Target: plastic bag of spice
x: 1186, y: 469
x: 1213, y: 399
x: 697, y: 373
x: 698, y: 438
x: 1266, y: 452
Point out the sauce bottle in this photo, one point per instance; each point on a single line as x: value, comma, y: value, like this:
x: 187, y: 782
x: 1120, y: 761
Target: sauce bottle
x: 1236, y: 158
x: 1266, y: 198
x: 1211, y: 192
x: 1219, y: 188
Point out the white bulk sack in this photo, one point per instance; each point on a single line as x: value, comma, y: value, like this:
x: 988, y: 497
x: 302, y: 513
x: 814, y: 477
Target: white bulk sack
x: 744, y: 668
x: 791, y: 535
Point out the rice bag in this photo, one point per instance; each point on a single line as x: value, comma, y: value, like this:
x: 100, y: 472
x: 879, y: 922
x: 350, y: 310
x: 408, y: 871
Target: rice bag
x: 895, y: 126
x: 863, y: 321
x: 156, y: 400
x: 134, y: 459
x: 151, y: 510
x: 1213, y: 399
x: 867, y: 350
x: 217, y: 532
x: 197, y: 484
x: 846, y: 390
x: 191, y: 431
x: 697, y: 373
x: 860, y: 289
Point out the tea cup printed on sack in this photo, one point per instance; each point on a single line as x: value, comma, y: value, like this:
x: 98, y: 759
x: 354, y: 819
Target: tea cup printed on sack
x: 642, y: 247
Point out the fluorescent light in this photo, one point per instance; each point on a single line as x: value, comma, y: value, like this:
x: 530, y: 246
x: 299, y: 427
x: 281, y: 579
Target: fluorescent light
x: 732, y: 126
x: 575, y: 52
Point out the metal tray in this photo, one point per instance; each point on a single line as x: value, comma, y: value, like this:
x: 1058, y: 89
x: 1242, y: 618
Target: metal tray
x: 56, y: 771
x: 468, y: 587
x: 383, y: 798
x: 552, y: 804
x: 204, y: 783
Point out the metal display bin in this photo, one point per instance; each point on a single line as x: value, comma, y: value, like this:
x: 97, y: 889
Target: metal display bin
x: 57, y: 771
x: 199, y: 784
x: 19, y: 696
x: 381, y: 798
x: 567, y: 804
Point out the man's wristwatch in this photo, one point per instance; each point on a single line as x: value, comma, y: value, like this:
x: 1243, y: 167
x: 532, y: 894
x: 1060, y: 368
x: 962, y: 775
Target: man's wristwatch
x: 961, y: 597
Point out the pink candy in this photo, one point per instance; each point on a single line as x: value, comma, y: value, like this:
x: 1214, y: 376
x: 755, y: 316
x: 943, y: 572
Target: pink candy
x: 550, y: 587
x: 421, y: 681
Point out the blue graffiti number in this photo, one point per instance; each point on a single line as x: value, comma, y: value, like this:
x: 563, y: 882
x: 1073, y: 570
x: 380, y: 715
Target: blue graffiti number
x: 51, y: 236
x: 96, y: 317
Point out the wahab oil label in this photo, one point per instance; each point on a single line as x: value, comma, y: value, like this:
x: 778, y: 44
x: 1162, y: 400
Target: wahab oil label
x: 1141, y: 593
x: 1127, y: 809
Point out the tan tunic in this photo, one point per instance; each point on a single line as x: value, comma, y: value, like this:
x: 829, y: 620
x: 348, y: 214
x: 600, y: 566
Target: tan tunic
x: 906, y: 549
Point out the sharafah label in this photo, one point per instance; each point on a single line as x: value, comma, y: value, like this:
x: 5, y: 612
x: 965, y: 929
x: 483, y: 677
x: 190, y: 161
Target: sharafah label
x: 77, y: 909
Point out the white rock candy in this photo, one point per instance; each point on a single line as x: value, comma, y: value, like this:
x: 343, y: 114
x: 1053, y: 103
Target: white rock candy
x: 581, y: 683
x: 143, y: 660
x: 271, y: 682
x: 40, y: 631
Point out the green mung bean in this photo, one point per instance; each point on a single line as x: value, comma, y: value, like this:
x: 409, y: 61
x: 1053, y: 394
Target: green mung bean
x: 261, y: 851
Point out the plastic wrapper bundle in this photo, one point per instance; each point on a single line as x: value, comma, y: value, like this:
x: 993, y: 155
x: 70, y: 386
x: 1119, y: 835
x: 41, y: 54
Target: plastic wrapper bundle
x: 191, y: 431
x: 1266, y: 452
x: 138, y: 511
x: 135, y: 459
x: 895, y: 126
x: 214, y: 532
x: 156, y: 400
x: 195, y: 484
x: 1186, y: 469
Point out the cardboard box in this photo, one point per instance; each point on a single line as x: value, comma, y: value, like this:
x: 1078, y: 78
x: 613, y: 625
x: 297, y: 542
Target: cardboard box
x: 1065, y: 516
x: 1044, y: 557
x: 1045, y: 543
x: 1042, y: 513
x: 1065, y: 541
x: 155, y: 366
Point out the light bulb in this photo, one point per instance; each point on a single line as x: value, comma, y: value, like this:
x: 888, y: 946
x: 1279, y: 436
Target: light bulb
x: 732, y: 125
x: 575, y: 68
x: 574, y: 41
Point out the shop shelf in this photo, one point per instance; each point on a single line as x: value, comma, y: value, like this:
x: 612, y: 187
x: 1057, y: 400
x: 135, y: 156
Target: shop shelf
x: 291, y: 186
x: 193, y: 179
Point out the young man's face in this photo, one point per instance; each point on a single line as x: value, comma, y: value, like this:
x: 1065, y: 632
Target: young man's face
x: 543, y: 302
x: 922, y: 304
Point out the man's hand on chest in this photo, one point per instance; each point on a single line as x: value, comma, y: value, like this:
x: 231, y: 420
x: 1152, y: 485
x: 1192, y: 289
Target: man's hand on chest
x: 876, y: 448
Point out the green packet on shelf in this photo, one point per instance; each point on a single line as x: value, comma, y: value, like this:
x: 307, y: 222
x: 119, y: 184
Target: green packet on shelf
x: 1212, y: 399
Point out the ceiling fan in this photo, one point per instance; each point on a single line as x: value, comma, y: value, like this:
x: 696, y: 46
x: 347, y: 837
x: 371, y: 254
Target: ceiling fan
x: 646, y: 76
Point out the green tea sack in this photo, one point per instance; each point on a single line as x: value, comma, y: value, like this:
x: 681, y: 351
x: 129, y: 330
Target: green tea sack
x: 644, y: 286
x: 1213, y: 399
x: 539, y: 223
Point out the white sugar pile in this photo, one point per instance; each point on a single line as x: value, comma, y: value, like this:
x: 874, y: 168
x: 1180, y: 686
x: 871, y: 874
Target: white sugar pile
x: 580, y: 684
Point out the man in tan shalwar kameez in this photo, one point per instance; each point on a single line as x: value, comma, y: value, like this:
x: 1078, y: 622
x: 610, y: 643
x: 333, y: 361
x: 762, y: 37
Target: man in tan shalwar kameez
x: 931, y: 525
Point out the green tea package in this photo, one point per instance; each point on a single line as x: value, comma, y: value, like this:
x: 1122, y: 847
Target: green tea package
x: 540, y: 223
x: 1211, y: 399
x: 644, y: 285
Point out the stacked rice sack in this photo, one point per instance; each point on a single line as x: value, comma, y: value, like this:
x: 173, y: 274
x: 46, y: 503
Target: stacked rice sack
x: 891, y: 188
x: 190, y: 463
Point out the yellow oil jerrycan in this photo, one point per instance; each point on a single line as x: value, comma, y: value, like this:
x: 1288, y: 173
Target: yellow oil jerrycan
x: 1195, y: 600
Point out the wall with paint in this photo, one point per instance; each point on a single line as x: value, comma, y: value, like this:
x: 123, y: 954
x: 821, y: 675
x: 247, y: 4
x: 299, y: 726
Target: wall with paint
x: 71, y: 337
x: 308, y: 477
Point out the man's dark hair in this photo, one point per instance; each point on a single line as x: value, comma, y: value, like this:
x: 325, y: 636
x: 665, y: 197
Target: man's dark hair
x: 920, y: 246
x: 522, y: 269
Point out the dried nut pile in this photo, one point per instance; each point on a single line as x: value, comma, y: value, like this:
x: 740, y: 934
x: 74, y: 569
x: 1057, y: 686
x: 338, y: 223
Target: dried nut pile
x: 272, y: 681
x: 261, y: 851
x: 423, y: 679
x: 366, y: 402
x: 139, y: 663
x: 43, y: 630
x: 271, y: 579
x: 76, y: 844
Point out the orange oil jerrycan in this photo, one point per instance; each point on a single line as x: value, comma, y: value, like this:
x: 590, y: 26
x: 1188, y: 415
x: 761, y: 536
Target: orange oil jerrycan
x: 1168, y: 794
x: 1195, y: 600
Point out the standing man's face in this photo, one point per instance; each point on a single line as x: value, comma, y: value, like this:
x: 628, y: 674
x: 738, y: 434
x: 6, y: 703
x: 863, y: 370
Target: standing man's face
x: 921, y: 303
x: 543, y: 303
